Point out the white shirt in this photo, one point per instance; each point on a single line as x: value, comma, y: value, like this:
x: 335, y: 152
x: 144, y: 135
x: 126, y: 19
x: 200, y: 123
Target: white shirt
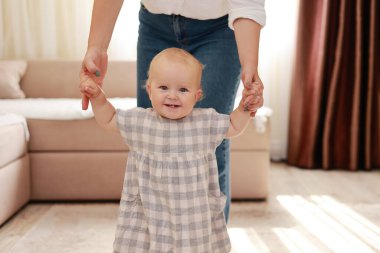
x: 210, y: 9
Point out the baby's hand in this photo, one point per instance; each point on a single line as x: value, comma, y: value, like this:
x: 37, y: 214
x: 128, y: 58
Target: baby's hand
x: 89, y: 88
x: 252, y: 98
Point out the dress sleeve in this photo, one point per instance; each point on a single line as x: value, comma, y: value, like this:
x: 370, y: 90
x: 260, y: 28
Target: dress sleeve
x: 252, y: 9
x: 127, y: 122
x: 219, y: 124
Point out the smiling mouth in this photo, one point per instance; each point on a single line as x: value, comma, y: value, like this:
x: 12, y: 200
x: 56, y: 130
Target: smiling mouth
x: 172, y: 105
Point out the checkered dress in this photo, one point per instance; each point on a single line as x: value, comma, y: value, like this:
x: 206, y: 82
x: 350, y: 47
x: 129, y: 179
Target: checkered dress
x: 171, y: 201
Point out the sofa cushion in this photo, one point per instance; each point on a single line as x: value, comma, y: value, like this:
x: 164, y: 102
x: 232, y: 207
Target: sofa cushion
x: 77, y: 175
x: 60, y: 79
x: 15, y: 186
x: 72, y: 135
x: 12, y: 144
x: 11, y: 73
x: 56, y: 108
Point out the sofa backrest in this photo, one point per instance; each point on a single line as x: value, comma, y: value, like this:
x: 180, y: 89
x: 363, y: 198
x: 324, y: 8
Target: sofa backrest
x: 60, y: 79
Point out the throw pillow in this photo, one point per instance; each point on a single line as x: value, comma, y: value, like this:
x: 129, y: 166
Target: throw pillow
x: 11, y: 72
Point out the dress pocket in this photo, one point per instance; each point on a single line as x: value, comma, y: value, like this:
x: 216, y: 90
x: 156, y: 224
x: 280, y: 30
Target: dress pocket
x: 220, y: 241
x: 217, y: 204
x: 132, y: 226
x: 128, y: 201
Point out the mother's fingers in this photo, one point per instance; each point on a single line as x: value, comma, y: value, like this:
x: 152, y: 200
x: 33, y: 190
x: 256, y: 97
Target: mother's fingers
x: 258, y: 86
x: 89, y: 65
x: 255, y: 92
x: 253, y: 102
x: 253, y: 107
x: 85, y: 102
x: 252, y: 97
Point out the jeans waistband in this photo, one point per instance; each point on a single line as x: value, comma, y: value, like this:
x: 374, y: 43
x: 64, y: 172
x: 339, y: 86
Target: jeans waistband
x: 180, y: 26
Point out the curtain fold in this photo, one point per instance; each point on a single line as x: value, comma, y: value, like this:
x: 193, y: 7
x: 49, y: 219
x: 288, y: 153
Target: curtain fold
x: 335, y: 96
x: 52, y: 29
x: 276, y: 63
x: 44, y: 28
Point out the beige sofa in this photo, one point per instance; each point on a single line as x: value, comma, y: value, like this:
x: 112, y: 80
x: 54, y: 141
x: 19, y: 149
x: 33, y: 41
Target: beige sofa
x: 14, y: 170
x: 77, y: 160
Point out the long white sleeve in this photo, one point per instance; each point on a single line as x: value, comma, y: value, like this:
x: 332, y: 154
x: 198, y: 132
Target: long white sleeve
x: 210, y: 9
x: 252, y: 9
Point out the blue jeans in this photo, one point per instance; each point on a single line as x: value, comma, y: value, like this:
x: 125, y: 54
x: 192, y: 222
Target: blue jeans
x: 213, y: 43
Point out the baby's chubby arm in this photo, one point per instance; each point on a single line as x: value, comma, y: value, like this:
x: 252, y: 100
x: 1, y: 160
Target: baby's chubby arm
x: 241, y: 115
x: 105, y: 113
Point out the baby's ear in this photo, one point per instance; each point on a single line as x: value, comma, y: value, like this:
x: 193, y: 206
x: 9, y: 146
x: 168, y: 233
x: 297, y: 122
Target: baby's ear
x: 148, y: 87
x: 199, y: 94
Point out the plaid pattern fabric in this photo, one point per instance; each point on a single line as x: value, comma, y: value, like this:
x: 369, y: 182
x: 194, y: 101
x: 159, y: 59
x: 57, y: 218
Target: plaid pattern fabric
x: 171, y: 201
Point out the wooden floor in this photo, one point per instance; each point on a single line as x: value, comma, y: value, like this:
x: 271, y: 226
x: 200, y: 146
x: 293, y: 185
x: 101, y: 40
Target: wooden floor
x: 308, y: 211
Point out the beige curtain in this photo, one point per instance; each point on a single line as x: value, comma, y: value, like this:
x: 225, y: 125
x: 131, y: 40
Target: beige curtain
x: 277, y: 46
x: 335, y: 98
x: 44, y: 28
x: 59, y: 29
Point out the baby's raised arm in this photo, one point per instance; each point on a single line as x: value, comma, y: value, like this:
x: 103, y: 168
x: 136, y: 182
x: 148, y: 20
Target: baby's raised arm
x: 105, y: 113
x: 240, y: 116
x: 238, y: 121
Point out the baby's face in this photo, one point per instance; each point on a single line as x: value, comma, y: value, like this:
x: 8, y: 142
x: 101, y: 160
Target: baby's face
x: 174, y: 89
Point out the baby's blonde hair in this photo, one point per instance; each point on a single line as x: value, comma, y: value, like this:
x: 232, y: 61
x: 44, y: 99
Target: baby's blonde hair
x: 180, y: 56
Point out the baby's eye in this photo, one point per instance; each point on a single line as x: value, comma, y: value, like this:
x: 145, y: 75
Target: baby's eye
x: 163, y: 87
x: 183, y: 90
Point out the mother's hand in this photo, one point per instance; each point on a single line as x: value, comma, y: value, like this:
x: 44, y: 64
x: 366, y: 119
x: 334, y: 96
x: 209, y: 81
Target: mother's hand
x: 94, y: 67
x: 253, y: 88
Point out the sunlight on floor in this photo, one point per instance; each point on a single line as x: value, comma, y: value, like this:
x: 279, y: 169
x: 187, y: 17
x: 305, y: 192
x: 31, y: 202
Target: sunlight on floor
x: 323, y: 224
x: 330, y: 225
x: 246, y: 240
x: 294, y: 241
x: 364, y: 229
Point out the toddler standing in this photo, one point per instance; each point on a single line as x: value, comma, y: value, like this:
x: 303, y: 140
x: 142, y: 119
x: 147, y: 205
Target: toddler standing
x: 171, y: 200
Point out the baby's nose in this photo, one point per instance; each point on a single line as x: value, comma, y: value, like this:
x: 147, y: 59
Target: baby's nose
x: 172, y: 94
